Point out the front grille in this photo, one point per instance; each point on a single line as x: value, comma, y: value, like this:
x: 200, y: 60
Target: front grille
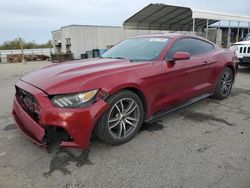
x: 244, y: 50
x: 28, y: 103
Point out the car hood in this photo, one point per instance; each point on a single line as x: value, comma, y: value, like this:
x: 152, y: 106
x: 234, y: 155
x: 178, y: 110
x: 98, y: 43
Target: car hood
x: 72, y: 76
x: 243, y: 43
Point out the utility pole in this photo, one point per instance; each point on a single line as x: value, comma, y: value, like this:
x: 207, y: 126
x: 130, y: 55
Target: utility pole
x: 238, y: 32
x: 21, y: 46
x: 229, y: 35
x: 207, y: 29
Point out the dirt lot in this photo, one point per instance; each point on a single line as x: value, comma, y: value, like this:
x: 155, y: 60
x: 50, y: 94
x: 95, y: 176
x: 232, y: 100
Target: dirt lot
x: 204, y: 145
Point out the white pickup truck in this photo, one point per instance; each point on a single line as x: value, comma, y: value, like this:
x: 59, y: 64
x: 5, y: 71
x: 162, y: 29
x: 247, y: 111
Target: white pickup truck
x: 243, y: 51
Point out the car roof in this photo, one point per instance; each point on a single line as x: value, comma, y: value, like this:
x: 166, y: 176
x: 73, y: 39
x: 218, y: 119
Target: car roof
x: 167, y: 35
x: 173, y: 36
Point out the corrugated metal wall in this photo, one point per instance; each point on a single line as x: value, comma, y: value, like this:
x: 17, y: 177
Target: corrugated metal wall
x: 85, y: 38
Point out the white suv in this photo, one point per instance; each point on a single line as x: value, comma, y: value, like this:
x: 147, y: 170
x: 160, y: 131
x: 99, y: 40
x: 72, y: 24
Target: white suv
x: 243, y: 51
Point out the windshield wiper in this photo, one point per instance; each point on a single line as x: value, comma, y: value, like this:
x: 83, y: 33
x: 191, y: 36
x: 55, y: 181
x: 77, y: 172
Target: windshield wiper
x: 119, y: 58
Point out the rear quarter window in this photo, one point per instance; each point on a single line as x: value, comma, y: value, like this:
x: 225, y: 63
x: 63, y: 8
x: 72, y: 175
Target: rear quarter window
x: 190, y: 45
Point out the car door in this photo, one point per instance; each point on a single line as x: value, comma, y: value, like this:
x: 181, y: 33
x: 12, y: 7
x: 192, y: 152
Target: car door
x: 202, y: 68
x: 186, y: 79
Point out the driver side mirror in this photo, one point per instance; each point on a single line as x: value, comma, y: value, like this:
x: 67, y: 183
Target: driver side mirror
x: 181, y: 56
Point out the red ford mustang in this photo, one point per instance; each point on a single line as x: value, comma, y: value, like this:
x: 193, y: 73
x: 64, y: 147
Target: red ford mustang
x: 136, y: 81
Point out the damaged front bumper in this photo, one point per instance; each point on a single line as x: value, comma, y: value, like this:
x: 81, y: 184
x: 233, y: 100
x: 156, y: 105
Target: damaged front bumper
x: 72, y: 127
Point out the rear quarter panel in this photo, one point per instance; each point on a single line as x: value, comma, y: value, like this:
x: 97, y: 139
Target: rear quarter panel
x: 224, y: 58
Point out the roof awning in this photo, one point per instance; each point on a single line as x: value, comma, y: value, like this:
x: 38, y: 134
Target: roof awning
x: 175, y: 18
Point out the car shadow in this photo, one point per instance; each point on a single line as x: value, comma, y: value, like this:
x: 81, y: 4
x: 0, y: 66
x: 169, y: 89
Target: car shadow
x: 244, y: 70
x: 61, y: 158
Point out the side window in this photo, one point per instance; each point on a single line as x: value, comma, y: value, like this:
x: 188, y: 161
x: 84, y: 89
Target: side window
x: 190, y: 45
x: 207, y: 47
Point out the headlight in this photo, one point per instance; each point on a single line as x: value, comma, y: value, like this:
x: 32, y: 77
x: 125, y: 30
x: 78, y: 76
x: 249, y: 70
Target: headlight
x: 74, y: 100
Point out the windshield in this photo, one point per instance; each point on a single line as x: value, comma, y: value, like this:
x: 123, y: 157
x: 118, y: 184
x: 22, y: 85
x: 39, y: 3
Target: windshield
x: 247, y: 37
x: 138, y: 49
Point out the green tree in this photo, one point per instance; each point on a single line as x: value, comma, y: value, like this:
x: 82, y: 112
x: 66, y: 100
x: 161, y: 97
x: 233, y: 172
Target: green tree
x: 14, y: 44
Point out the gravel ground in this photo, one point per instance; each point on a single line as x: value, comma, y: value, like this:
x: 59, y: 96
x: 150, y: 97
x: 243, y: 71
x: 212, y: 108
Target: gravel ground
x: 204, y: 145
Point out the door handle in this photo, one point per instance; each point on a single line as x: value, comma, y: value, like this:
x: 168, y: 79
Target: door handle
x: 209, y: 62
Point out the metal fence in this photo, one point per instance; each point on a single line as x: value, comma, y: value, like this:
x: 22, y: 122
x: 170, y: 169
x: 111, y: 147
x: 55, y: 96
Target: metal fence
x: 42, y: 51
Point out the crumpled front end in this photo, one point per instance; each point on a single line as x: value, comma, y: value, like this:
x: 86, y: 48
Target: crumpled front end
x: 44, y: 124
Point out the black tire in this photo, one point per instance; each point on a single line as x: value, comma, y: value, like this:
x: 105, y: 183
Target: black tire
x: 225, y: 82
x: 121, y: 100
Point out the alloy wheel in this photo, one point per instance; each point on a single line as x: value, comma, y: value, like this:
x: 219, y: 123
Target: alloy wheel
x: 123, y: 118
x: 226, y: 83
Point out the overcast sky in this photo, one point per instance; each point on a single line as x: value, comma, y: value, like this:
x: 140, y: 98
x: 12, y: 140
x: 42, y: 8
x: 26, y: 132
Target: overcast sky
x: 35, y: 19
